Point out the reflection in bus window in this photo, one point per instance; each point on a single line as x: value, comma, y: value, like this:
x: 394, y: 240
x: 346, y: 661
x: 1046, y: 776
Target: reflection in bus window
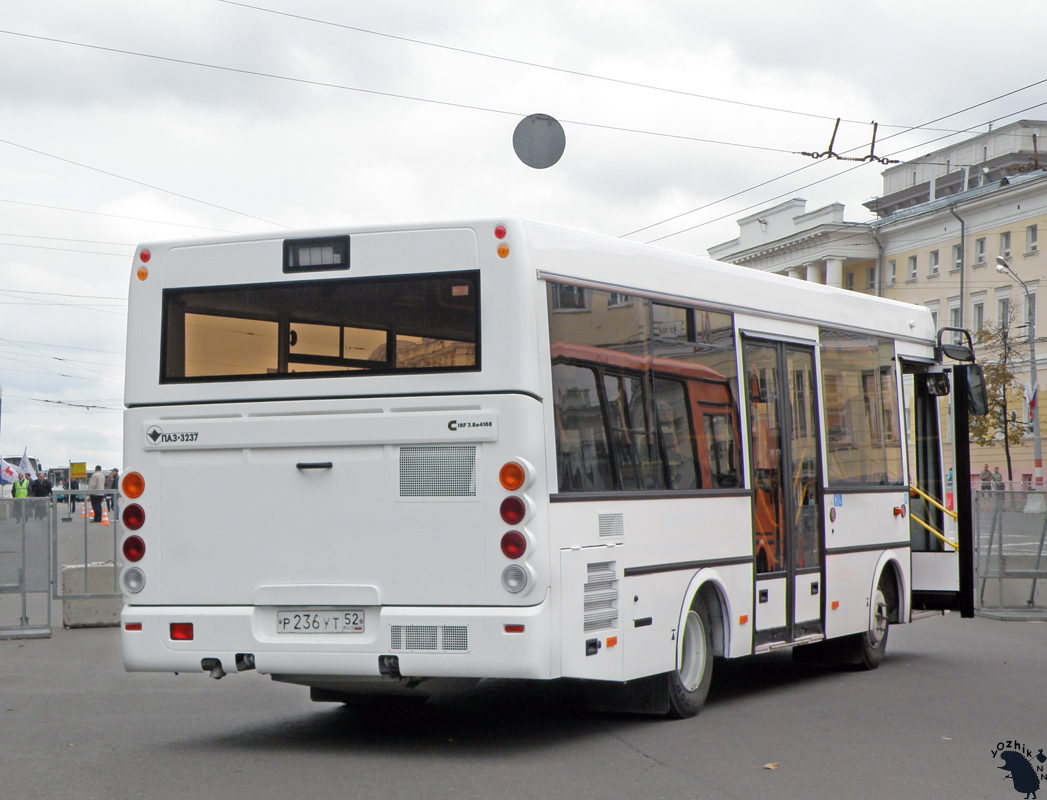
x: 583, y: 462
x: 668, y: 383
x: 861, y: 409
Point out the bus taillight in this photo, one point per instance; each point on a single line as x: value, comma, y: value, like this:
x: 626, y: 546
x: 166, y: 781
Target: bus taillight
x: 134, y: 517
x: 513, y: 510
x: 133, y: 485
x: 514, y: 544
x: 134, y: 548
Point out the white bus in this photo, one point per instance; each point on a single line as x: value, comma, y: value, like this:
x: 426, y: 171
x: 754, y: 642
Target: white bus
x: 382, y: 459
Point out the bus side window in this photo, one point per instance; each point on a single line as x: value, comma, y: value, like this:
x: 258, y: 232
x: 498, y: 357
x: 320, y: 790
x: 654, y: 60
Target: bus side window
x: 583, y: 459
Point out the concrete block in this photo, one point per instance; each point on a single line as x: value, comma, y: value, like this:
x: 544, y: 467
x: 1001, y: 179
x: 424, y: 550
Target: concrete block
x: 93, y: 612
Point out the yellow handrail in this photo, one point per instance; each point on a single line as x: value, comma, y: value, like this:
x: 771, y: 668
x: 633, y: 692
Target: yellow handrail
x: 951, y: 544
x: 914, y: 488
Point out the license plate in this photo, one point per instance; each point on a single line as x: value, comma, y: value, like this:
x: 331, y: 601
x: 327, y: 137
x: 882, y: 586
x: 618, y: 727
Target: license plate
x: 347, y: 620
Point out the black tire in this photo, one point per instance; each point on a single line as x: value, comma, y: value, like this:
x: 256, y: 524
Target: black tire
x: 689, y: 682
x: 871, y: 645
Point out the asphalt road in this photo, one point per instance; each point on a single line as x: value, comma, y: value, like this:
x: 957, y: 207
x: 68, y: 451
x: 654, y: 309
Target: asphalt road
x: 74, y: 725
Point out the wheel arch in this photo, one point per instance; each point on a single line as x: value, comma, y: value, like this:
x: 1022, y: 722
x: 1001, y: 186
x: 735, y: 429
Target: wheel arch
x: 708, y: 585
x: 889, y: 570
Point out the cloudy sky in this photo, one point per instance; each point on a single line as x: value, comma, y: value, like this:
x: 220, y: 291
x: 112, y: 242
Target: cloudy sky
x: 123, y: 121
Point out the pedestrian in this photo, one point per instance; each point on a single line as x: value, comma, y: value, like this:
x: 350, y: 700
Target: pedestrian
x: 115, y: 475
x: 20, y: 491
x: 986, y: 477
x: 40, y: 489
x: 96, y: 486
x: 109, y: 486
x: 997, y: 479
x: 948, y: 477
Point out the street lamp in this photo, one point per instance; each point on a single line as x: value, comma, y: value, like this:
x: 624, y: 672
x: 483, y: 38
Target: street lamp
x: 1004, y: 268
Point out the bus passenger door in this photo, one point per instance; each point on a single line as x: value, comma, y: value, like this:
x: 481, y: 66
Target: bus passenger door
x: 786, y: 470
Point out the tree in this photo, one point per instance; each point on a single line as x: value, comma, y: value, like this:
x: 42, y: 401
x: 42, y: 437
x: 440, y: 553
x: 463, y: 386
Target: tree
x: 1000, y: 355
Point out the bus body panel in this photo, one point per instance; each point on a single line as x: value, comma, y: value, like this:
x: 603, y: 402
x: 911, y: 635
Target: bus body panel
x: 233, y: 475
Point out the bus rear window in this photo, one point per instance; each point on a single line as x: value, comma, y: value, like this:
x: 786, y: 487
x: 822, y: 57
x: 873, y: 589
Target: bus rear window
x: 411, y: 323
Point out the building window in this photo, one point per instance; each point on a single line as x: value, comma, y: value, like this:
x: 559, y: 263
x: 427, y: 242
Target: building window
x: 568, y: 298
x: 912, y: 268
x: 618, y: 300
x: 850, y: 281
x: 1003, y: 312
x: 933, y: 262
x: 1030, y: 311
x: 892, y: 272
x: 978, y: 308
x: 979, y: 251
x: 870, y: 278
x: 1030, y: 239
x: 1005, y: 244
x: 957, y: 257
x: 954, y: 318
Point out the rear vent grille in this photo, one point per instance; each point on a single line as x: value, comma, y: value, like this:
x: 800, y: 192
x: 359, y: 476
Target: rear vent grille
x: 429, y: 638
x: 438, y: 471
x: 612, y: 526
x: 600, y: 596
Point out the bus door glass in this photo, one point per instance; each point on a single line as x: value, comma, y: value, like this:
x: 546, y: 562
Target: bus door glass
x: 785, y: 458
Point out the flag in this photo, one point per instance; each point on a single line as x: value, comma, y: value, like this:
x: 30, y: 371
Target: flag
x: 8, y: 472
x: 26, y: 466
x: 1030, y: 394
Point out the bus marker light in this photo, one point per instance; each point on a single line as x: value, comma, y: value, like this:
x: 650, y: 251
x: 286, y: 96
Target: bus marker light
x: 133, y: 485
x: 835, y: 604
x: 134, y: 548
x: 899, y: 511
x: 612, y: 641
x: 503, y: 251
x: 514, y: 544
x: 500, y: 232
x: 143, y: 273
x: 182, y: 631
x: 513, y: 475
x: 513, y: 510
x: 514, y: 628
x: 514, y: 578
x: 134, y: 517
x: 145, y: 255
x: 132, y: 626
x: 743, y: 619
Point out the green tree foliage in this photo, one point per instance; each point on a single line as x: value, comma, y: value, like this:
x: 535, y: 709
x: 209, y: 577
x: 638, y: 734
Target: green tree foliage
x: 1000, y: 355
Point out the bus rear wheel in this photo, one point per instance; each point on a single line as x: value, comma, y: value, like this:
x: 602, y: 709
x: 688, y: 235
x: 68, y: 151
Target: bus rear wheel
x: 689, y: 682
x: 870, y: 646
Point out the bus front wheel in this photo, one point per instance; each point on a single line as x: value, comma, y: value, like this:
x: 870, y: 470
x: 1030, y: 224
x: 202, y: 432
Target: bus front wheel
x: 689, y: 682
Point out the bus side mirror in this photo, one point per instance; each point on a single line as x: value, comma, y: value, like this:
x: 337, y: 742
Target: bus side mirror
x: 977, y: 401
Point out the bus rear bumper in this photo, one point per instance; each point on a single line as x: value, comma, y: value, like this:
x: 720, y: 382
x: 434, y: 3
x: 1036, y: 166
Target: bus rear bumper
x: 471, y: 642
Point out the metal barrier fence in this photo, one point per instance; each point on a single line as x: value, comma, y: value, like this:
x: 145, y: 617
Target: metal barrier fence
x: 25, y: 568
x: 1010, y: 529
x: 50, y: 549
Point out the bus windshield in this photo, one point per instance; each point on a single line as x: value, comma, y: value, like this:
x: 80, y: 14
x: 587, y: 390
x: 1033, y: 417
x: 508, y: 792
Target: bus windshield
x: 353, y: 326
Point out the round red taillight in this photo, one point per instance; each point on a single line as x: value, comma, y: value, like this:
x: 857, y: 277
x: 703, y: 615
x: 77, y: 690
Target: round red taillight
x: 513, y: 510
x: 133, y: 517
x: 134, y: 548
x: 512, y: 476
x: 133, y: 485
x: 145, y: 255
x: 500, y: 232
x: 514, y: 544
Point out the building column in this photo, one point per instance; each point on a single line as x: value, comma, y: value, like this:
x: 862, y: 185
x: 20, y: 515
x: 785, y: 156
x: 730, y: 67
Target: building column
x: 834, y: 272
x: 798, y: 273
x: 814, y: 273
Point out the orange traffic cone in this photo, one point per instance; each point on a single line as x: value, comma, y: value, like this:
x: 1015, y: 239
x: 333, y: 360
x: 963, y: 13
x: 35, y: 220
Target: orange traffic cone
x: 83, y: 510
x: 105, y: 515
